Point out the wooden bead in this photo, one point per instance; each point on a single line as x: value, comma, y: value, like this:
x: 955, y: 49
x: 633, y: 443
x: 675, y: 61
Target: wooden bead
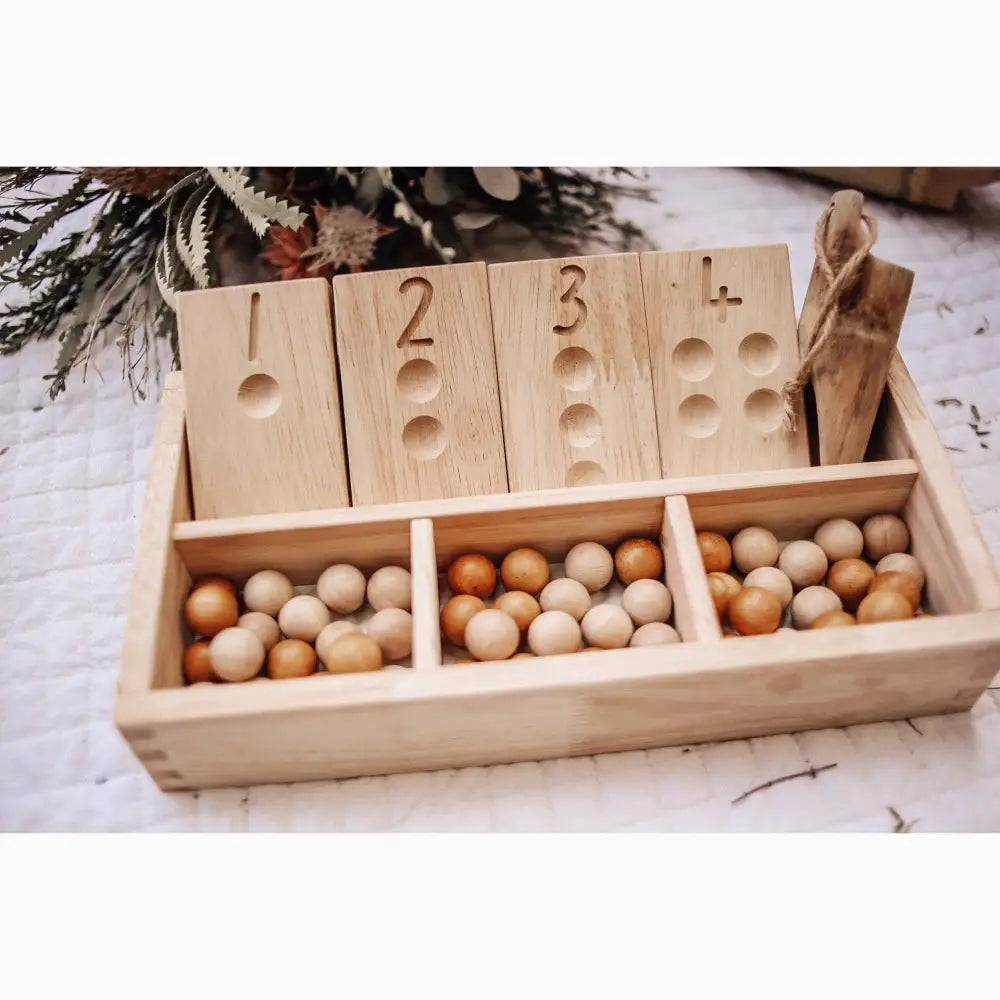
x: 812, y: 602
x: 607, y: 626
x: 353, y: 653
x: 903, y: 583
x: 237, y: 654
x: 342, y: 588
x: 390, y: 587
x: 267, y: 591
x: 263, y: 626
x: 647, y: 601
x: 197, y: 666
x: 884, y: 606
x: 850, y: 579
x: 472, y: 574
x: 554, y: 632
x: 804, y: 563
x: 522, y: 607
x: 330, y: 635
x: 210, y: 609
x: 833, y: 619
x: 455, y: 616
x: 755, y: 611
x: 222, y: 581
x: 716, y: 552
x: 901, y: 562
x: 526, y: 570
x: 839, y: 539
x: 291, y: 658
x: 885, y: 534
x: 303, y: 617
x: 773, y: 579
x: 723, y: 587
x: 566, y: 595
x: 753, y: 548
x: 638, y: 559
x: 591, y: 564
x: 392, y: 629
x: 654, y: 634
x: 492, y: 635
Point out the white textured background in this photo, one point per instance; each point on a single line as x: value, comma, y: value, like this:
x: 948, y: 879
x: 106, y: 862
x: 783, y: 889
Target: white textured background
x: 71, y: 487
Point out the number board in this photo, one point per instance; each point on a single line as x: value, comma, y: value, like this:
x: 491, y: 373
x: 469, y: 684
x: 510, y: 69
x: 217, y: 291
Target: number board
x: 573, y: 364
x: 419, y: 384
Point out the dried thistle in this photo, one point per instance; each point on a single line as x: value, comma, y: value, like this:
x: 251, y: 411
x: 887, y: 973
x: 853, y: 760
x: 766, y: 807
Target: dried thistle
x: 345, y: 237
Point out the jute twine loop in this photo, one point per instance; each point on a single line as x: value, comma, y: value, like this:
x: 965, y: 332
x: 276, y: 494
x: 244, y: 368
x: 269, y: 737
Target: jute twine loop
x: 837, y: 284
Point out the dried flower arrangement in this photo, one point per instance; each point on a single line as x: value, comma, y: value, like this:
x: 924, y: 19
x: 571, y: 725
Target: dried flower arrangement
x: 122, y: 241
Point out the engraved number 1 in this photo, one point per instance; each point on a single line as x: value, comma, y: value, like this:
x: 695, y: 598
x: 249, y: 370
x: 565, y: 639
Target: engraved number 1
x: 406, y: 338
x: 577, y: 277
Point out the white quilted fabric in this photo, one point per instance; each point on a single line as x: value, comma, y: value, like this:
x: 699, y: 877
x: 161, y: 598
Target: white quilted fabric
x: 71, y: 487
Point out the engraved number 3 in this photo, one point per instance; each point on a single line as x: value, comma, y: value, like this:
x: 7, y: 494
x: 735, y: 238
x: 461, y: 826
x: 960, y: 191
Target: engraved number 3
x: 406, y: 338
x: 577, y: 277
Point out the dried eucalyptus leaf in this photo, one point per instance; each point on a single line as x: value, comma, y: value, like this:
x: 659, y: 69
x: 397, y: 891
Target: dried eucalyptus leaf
x: 437, y: 190
x: 259, y: 209
x: 369, y: 188
x: 501, y: 182
x: 474, y: 220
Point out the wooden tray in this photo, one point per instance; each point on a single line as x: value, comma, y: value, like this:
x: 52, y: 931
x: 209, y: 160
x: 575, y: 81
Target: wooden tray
x: 435, y: 716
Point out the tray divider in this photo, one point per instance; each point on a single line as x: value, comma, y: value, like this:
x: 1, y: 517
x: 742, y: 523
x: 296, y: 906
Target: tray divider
x: 425, y: 602
x: 694, y: 611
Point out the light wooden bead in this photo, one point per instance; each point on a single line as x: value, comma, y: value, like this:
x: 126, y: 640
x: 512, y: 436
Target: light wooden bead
x: 716, y: 552
x: 197, y: 665
x: 268, y: 592
x: 902, y: 562
x: 773, y: 579
x: 638, y: 559
x: 237, y: 654
x: 884, y: 535
x: 566, y: 595
x: 472, y: 574
x: 723, y: 587
x: 903, y: 583
x: 884, y: 606
x: 850, y: 579
x: 591, y: 564
x: 353, y: 653
x: 303, y: 617
x: 291, y: 658
x: 263, y: 626
x: 390, y: 587
x: 647, y: 601
x: 754, y: 548
x: 522, y: 607
x: 492, y: 635
x: 839, y: 539
x: 834, y: 619
x: 804, y: 563
x: 654, y: 634
x: 607, y: 626
x: 755, y: 611
x: 210, y: 609
x: 812, y: 602
x: 342, y: 588
x: 455, y: 616
x: 554, y: 632
x: 330, y: 635
x: 526, y: 570
x: 392, y: 629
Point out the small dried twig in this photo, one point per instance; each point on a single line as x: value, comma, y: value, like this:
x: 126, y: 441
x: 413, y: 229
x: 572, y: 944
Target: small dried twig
x: 948, y: 401
x: 980, y: 330
x: 951, y: 447
x: 900, y: 824
x: 942, y: 307
x: 913, y: 726
x: 810, y: 772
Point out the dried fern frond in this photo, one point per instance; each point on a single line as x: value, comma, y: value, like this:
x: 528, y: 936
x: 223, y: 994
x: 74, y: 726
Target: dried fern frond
x: 258, y: 208
x: 191, y: 237
x: 13, y: 248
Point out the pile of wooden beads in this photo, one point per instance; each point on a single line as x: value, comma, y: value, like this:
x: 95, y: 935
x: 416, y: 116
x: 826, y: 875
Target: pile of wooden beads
x: 845, y: 575
x: 538, y: 613
x: 283, y: 634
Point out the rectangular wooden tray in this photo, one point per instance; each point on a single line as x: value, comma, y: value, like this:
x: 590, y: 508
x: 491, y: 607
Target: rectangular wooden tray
x: 434, y: 716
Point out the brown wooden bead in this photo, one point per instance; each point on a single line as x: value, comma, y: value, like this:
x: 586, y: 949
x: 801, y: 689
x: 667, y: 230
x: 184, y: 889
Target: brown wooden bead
x: 716, y: 552
x: 291, y: 658
x: 197, y: 663
x: 638, y: 559
x: 884, y: 606
x: 455, y: 616
x: 522, y: 607
x: 353, y: 652
x: 755, y: 611
x: 723, y: 587
x: 833, y: 619
x: 850, y: 579
x: 526, y: 570
x: 472, y: 574
x: 222, y: 581
x: 903, y: 583
x: 210, y: 609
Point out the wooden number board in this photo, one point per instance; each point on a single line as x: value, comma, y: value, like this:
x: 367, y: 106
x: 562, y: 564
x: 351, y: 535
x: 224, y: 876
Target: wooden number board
x: 419, y: 384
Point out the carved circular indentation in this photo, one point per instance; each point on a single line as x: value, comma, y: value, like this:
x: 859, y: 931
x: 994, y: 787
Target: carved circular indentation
x: 585, y: 474
x: 424, y: 438
x: 764, y: 409
x: 759, y: 353
x: 581, y: 424
x: 259, y: 395
x: 574, y: 368
x: 694, y: 359
x: 699, y: 416
x: 418, y: 380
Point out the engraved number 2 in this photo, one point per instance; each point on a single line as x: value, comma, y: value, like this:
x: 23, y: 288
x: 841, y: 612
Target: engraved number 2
x: 577, y: 277
x: 406, y: 338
